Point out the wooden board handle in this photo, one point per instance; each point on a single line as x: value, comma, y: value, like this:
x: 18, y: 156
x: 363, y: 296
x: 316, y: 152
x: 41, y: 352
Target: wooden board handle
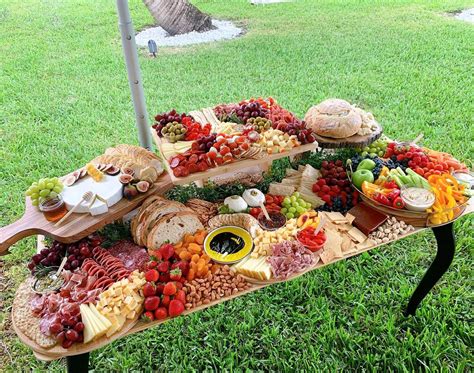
x: 14, y: 232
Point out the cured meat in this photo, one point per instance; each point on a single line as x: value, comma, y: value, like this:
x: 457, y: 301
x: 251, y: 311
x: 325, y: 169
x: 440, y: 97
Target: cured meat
x: 132, y: 256
x: 290, y: 257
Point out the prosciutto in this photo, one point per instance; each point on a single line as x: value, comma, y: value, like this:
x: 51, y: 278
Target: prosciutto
x: 133, y: 256
x: 290, y: 257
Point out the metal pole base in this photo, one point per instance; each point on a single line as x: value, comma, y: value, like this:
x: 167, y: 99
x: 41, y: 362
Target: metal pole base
x: 445, y: 245
x: 78, y: 363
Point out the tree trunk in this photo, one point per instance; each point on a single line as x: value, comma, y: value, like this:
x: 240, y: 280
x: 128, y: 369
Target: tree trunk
x: 178, y: 16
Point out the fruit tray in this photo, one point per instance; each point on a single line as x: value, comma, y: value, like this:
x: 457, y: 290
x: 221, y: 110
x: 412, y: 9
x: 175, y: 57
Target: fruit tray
x: 417, y: 219
x: 230, y: 167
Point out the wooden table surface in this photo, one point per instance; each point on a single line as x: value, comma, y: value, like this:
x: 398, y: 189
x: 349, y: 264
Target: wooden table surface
x: 58, y: 352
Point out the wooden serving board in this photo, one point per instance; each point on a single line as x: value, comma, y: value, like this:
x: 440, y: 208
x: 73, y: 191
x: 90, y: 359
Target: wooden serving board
x: 230, y: 167
x: 355, y: 141
x: 77, y: 226
x: 57, y: 352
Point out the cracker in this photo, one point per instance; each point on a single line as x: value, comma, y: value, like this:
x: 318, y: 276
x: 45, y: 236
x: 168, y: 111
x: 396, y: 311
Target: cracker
x: 350, y: 218
x: 357, y: 235
x: 280, y: 190
x: 365, y: 244
x: 347, y: 245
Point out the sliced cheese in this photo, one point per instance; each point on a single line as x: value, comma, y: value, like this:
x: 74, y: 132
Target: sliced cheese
x: 88, y: 329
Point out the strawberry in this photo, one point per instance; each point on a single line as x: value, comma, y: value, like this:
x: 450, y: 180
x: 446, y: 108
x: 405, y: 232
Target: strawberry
x: 152, y: 303
x: 149, y: 289
x: 170, y: 289
x: 179, y: 283
x: 159, y: 289
x: 148, y: 316
x: 176, y: 308
x: 152, y: 275
x: 163, y: 267
x: 175, y: 274
x: 155, y: 255
x: 152, y: 264
x: 161, y: 313
x: 165, y: 300
x: 167, y: 251
x: 183, y: 266
x: 164, y: 277
x: 181, y: 296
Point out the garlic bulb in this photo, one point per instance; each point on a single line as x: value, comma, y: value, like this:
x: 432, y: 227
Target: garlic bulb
x: 254, y: 197
x: 236, y: 203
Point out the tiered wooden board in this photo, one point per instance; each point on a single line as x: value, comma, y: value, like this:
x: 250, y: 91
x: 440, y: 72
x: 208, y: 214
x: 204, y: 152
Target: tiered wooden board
x: 234, y: 166
x: 356, y: 141
x: 58, y: 352
x: 77, y: 226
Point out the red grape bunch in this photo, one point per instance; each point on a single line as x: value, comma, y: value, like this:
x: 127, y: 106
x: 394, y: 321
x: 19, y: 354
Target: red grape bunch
x: 204, y: 143
x: 76, y: 253
x: 248, y: 110
x: 67, y: 326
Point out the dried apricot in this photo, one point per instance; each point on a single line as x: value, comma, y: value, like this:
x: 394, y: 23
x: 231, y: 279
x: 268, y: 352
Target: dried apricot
x: 199, y: 237
x: 194, y: 258
x: 194, y: 248
x: 185, y: 255
x: 188, y: 238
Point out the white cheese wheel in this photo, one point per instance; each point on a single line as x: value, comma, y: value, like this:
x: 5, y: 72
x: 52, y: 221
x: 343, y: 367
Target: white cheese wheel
x: 109, y: 188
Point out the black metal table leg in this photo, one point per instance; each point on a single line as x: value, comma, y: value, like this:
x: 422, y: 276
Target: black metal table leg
x: 446, y: 244
x: 78, y: 363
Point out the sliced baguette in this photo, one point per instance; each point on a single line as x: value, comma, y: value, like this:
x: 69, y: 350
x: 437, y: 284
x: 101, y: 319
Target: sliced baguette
x: 143, y: 215
x: 150, y: 200
x: 172, y: 228
x: 154, y: 214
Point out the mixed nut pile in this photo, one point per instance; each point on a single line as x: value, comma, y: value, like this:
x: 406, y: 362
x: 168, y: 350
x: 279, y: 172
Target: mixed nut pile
x: 222, y: 283
x: 391, y: 230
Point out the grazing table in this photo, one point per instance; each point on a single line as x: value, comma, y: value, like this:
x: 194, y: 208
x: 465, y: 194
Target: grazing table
x: 77, y: 358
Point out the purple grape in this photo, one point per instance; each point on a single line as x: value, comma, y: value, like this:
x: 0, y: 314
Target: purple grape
x: 31, y: 265
x: 74, y: 264
x: 37, y: 258
x: 45, y: 262
x: 44, y: 252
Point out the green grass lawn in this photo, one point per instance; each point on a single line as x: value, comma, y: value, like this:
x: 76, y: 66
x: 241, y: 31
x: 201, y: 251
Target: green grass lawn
x: 65, y: 98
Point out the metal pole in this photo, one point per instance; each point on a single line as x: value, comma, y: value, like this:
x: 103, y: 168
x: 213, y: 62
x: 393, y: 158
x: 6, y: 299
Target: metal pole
x: 134, y: 75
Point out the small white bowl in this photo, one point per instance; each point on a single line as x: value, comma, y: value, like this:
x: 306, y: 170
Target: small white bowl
x: 419, y: 207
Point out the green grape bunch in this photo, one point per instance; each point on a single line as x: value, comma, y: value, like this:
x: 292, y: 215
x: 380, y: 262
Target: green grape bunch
x: 376, y: 149
x: 294, y: 206
x: 44, y: 189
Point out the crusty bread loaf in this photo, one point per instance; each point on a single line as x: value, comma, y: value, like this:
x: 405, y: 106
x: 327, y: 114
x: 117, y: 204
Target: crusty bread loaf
x: 155, y: 215
x: 172, y: 228
x: 334, y: 118
x: 149, y: 201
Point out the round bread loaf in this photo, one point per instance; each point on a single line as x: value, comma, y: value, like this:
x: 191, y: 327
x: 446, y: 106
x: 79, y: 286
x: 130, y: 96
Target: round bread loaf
x: 334, y: 118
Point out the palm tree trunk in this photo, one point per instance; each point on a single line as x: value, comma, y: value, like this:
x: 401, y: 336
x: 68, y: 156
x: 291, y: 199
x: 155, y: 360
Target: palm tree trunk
x: 178, y: 16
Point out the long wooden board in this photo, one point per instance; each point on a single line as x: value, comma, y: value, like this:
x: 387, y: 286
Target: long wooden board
x: 138, y: 326
x: 78, y: 225
x: 230, y: 167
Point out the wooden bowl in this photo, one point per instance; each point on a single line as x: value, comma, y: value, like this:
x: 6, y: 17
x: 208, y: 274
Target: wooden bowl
x: 417, y: 219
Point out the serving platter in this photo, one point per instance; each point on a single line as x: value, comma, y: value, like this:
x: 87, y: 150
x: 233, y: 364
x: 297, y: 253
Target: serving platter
x: 230, y: 167
x: 56, y: 352
x: 78, y: 225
